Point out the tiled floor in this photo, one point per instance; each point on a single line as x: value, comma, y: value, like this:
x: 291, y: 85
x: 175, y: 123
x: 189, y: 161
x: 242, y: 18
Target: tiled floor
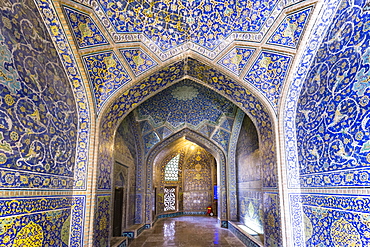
x: 189, y: 231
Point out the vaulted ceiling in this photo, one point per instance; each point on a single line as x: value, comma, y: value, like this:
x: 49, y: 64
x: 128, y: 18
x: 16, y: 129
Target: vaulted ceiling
x: 123, y: 42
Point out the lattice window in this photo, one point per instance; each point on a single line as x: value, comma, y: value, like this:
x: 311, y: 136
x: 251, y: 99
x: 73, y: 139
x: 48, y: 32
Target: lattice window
x: 169, y: 199
x: 171, y: 171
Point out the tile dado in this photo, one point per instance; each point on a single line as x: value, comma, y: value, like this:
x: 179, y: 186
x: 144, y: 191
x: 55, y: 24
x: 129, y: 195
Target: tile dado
x: 42, y: 221
x: 342, y: 219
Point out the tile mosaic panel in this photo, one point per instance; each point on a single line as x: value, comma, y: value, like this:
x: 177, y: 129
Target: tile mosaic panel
x: 227, y: 124
x: 145, y: 126
x: 268, y: 74
x: 172, y: 23
x: 85, y: 31
x: 333, y: 220
x: 237, y: 59
x: 318, y: 32
x: 138, y: 60
x: 38, y: 109
x: 41, y: 221
x: 106, y: 74
x: 248, y: 103
x: 186, y: 103
x: 102, y: 220
x: 78, y: 219
x: 251, y: 209
x: 291, y: 29
x: 207, y: 130
x: 332, y: 118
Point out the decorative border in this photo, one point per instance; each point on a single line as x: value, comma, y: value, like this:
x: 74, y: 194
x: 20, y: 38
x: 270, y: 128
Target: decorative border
x: 351, y: 203
x: 77, y: 222
x: 16, y: 206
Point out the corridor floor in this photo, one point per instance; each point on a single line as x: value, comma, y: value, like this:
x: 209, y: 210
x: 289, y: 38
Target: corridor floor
x: 189, y: 231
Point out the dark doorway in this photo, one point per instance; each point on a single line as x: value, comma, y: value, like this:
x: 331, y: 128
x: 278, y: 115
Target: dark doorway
x: 119, y: 207
x: 117, y: 220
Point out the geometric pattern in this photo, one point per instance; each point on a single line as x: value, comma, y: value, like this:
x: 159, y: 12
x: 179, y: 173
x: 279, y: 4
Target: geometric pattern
x: 106, y: 74
x: 268, y: 74
x: 236, y: 59
x: 291, y: 29
x: 84, y: 30
x: 138, y: 60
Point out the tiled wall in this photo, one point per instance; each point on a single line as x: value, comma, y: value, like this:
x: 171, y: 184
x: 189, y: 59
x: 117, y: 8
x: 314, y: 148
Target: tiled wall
x: 333, y: 135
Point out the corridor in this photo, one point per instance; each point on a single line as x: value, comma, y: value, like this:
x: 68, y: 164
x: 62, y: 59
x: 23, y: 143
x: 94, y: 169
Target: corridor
x: 190, y: 231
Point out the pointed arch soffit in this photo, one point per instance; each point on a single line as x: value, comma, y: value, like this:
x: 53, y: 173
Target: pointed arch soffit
x: 126, y: 101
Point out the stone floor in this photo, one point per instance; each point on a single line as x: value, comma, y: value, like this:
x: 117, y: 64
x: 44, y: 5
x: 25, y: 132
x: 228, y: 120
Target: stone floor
x: 189, y: 231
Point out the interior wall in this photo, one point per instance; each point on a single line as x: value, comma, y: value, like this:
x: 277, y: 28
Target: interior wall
x: 332, y: 129
x: 249, y: 178
x: 126, y: 154
x: 196, y: 178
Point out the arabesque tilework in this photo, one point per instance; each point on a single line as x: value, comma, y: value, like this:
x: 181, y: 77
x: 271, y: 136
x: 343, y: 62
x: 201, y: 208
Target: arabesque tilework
x: 107, y: 75
x: 291, y: 29
x: 172, y: 23
x: 237, y: 59
x: 268, y: 74
x: 343, y: 219
x: 85, y: 30
x: 68, y: 60
x: 138, y: 60
x: 317, y: 35
x: 40, y: 221
x: 102, y: 220
x: 38, y: 130
x: 332, y: 117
